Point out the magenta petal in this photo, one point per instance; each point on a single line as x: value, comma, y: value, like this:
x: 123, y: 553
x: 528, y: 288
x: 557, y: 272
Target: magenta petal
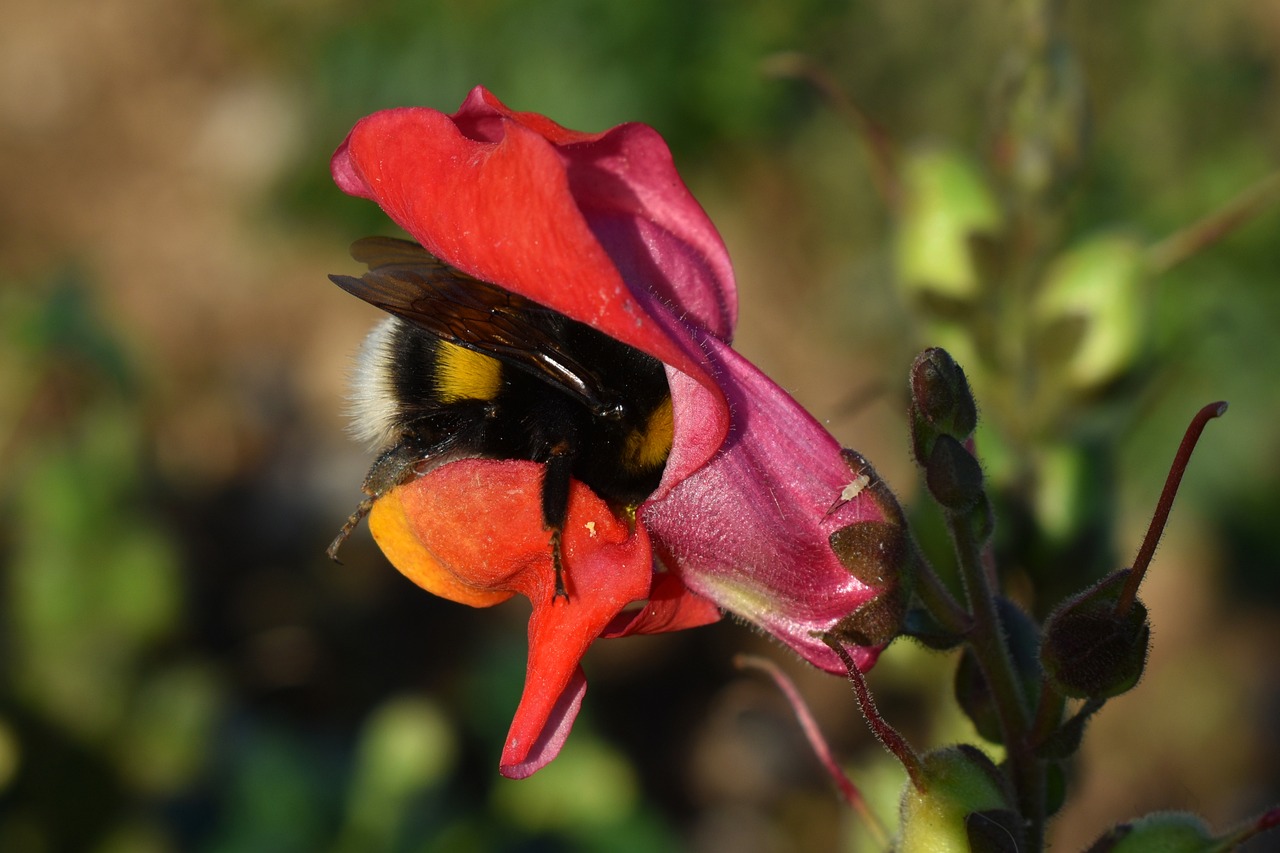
x: 763, y: 506
x: 521, y: 759
x: 652, y: 227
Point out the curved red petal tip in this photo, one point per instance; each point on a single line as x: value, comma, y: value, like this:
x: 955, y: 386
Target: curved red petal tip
x: 531, y: 746
x: 472, y: 531
x: 606, y: 569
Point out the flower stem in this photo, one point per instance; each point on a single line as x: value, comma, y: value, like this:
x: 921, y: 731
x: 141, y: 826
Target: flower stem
x: 1048, y: 714
x: 989, y: 647
x: 818, y: 743
x: 1165, y: 504
x: 885, y: 733
x: 1198, y: 236
x: 935, y: 596
x: 987, y: 637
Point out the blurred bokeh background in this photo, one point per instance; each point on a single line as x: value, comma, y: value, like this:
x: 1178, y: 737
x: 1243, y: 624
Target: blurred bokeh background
x: 181, y: 668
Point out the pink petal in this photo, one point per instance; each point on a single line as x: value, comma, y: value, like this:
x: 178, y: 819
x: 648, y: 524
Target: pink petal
x: 759, y: 547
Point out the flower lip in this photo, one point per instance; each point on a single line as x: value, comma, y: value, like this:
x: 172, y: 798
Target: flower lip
x: 472, y: 532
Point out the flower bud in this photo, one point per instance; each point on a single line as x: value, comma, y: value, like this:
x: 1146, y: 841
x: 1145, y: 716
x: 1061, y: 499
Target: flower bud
x: 1089, y: 650
x: 953, y: 476
x: 962, y: 803
x: 941, y: 402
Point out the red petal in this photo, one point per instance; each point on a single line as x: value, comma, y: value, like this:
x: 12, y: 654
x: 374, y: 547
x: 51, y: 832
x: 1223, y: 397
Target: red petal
x: 627, y: 187
x: 502, y: 211
x: 671, y: 607
x: 521, y: 760
x: 472, y: 531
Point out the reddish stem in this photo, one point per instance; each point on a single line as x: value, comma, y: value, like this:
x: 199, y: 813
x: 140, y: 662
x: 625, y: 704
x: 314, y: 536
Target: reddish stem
x: 880, y: 147
x: 816, y: 741
x: 1265, y: 822
x: 1171, y: 483
x: 884, y: 732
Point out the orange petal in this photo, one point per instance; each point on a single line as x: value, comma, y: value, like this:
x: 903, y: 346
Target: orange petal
x: 472, y: 532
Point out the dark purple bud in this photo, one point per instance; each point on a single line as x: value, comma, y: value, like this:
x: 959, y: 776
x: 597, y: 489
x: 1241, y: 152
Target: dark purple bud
x: 953, y: 476
x: 941, y: 402
x: 1090, y: 650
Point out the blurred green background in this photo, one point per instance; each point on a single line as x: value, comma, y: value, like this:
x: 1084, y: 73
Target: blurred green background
x: 184, y: 670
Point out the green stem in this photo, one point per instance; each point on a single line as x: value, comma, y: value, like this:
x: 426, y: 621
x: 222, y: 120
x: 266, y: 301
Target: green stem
x: 986, y: 636
x: 935, y: 596
x: 989, y: 647
x: 1048, y: 714
x: 1198, y: 236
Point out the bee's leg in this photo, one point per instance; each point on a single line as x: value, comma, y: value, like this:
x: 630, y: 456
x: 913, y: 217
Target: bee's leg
x: 394, y: 466
x: 347, y: 529
x: 555, y: 504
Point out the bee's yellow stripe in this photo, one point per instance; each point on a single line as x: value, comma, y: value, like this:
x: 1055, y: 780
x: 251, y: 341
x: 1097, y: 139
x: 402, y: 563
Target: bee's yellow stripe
x: 649, y: 448
x: 464, y: 374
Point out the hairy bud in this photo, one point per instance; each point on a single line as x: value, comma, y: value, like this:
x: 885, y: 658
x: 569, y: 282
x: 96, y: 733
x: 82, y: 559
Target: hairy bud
x: 941, y: 402
x: 961, y: 803
x: 1090, y: 650
x: 953, y: 476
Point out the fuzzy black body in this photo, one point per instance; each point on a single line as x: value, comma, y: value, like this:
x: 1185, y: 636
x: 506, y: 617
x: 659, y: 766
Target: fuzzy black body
x: 464, y: 369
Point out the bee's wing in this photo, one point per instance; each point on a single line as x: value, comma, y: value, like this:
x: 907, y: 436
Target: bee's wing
x: 409, y: 282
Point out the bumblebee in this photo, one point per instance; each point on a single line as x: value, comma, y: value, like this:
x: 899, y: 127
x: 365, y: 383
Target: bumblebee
x: 465, y: 369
